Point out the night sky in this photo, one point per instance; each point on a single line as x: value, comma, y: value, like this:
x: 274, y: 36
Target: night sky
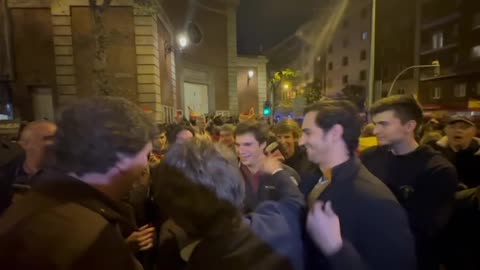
x: 264, y: 23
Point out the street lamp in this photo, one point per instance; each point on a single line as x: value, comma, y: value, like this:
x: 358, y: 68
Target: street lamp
x: 285, y: 86
x: 435, y: 64
x: 182, y: 41
x: 251, y: 73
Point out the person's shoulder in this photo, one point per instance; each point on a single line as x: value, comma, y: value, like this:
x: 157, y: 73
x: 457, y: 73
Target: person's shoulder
x: 373, y: 152
x: 371, y: 186
x: 435, y: 161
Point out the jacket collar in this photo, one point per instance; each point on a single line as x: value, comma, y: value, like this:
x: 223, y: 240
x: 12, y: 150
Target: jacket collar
x: 346, y: 170
x: 443, y: 142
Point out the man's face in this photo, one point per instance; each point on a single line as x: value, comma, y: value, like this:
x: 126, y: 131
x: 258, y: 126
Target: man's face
x: 132, y: 168
x: 389, y: 128
x: 288, y: 141
x: 184, y: 136
x: 315, y: 140
x: 249, y: 150
x: 160, y: 141
x: 36, y: 140
x: 226, y: 138
x: 460, y: 134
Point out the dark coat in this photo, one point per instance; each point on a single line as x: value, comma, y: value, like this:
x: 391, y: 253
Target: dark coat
x: 424, y: 183
x: 374, y: 226
x: 267, y: 189
x: 64, y: 223
x: 466, y: 161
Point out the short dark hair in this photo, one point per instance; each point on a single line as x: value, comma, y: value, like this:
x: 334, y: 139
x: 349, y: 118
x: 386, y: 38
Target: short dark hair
x: 341, y: 112
x: 286, y: 126
x: 92, y: 133
x: 209, y: 183
x: 259, y: 131
x: 175, y: 129
x: 405, y: 107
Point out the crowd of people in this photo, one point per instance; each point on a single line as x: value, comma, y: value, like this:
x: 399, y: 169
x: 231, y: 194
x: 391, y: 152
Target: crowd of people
x: 104, y: 187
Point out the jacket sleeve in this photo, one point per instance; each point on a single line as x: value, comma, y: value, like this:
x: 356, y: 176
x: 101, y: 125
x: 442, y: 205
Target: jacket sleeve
x: 383, y: 241
x: 287, y: 190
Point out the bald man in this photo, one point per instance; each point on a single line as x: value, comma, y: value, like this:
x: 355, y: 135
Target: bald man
x: 17, y: 175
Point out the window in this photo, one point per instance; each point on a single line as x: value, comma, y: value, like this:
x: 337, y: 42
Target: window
x: 437, y: 40
x: 476, y: 52
x: 363, y: 55
x: 363, y: 75
x: 330, y: 66
x: 364, y: 13
x: 345, y: 61
x: 476, y: 20
x: 437, y: 93
x: 345, y: 43
x: 345, y: 79
x: 364, y: 35
x: 460, y: 90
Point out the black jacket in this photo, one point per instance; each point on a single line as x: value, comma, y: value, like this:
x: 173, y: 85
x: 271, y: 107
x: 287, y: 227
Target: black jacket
x: 374, y: 226
x: 267, y: 189
x: 64, y: 223
x: 466, y: 161
x: 424, y: 183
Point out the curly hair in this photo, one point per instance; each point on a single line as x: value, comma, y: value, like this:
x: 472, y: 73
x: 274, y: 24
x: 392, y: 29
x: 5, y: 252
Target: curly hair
x: 94, y: 133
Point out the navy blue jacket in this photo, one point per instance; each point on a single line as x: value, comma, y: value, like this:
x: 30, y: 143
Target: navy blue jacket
x: 375, y: 229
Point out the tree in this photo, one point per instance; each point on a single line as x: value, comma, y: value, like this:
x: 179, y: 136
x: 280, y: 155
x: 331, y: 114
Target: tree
x: 102, y: 84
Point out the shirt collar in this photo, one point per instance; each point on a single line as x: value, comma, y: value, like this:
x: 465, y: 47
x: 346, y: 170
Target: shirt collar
x: 187, y: 251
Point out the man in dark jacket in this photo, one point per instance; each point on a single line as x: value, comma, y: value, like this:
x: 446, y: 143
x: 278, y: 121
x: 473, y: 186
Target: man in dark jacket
x: 210, y: 212
x: 462, y: 149
x: 20, y: 172
x: 423, y: 181
x: 354, y: 221
x: 251, y: 142
x: 72, y: 218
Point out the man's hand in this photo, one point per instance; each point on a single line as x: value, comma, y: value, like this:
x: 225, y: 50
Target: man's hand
x: 142, y: 239
x: 271, y: 164
x: 323, y: 226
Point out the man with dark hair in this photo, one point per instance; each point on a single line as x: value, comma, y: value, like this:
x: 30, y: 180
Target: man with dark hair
x: 210, y: 211
x: 354, y: 222
x: 423, y: 181
x: 71, y: 219
x: 180, y: 134
x: 251, y: 142
x: 160, y: 143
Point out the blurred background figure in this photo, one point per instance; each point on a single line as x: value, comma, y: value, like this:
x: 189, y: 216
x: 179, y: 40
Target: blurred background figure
x: 462, y: 149
x: 18, y: 175
x: 180, y: 134
x: 367, y: 138
x: 227, y: 137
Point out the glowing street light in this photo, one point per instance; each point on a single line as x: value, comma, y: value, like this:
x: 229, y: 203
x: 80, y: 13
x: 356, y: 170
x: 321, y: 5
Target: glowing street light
x: 251, y: 73
x: 286, y: 86
x: 182, y: 41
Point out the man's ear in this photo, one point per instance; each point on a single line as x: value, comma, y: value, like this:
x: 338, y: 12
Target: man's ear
x: 336, y: 132
x: 411, y: 125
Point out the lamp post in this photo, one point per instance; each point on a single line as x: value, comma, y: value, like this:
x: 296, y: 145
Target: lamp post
x: 371, y: 72
x: 434, y: 64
